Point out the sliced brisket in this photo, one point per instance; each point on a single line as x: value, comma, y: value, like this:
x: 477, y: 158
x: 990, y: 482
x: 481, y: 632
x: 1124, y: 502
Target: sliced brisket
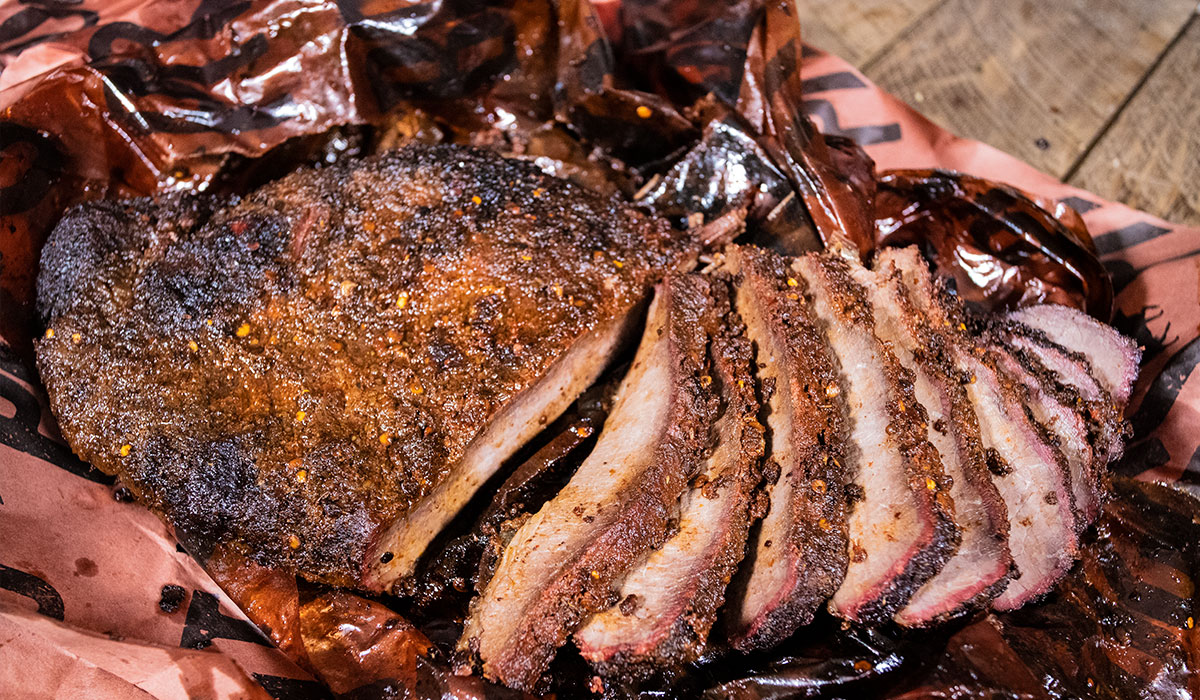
x: 901, y: 518
x: 1028, y: 470
x: 981, y: 566
x: 796, y: 558
x: 562, y: 563
x: 1072, y: 373
x: 1061, y: 420
x: 669, y: 601
x: 1112, y: 358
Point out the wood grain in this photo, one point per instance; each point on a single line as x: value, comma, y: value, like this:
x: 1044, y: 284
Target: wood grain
x: 858, y: 30
x: 1150, y: 157
x: 1038, y: 79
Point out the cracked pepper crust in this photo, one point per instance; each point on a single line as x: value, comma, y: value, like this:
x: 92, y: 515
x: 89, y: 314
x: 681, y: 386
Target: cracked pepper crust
x: 292, y: 371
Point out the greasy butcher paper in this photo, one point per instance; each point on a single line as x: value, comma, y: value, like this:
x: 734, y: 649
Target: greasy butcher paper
x: 82, y: 575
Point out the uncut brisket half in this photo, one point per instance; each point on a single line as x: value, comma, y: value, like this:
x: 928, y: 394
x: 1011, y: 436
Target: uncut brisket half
x: 325, y: 371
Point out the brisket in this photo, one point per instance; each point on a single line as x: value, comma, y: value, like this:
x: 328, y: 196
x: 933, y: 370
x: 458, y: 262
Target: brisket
x: 1028, y: 470
x: 796, y: 557
x: 562, y: 563
x: 668, y: 602
x: 323, y: 372
x: 901, y: 518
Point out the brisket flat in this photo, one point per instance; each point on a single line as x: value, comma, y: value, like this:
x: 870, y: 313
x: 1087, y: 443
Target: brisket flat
x: 562, y: 563
x: 1061, y: 420
x: 1112, y: 358
x: 1028, y: 470
x: 1072, y: 373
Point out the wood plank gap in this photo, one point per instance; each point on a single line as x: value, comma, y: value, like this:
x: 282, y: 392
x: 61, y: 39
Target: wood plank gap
x: 1112, y: 118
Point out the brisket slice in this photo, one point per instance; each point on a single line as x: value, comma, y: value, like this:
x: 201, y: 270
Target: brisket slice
x: 324, y: 371
x: 562, y: 563
x: 669, y: 601
x: 900, y: 516
x: 1061, y: 420
x: 796, y: 557
x: 982, y: 565
x: 1112, y: 358
x: 1029, y: 471
x: 1072, y: 373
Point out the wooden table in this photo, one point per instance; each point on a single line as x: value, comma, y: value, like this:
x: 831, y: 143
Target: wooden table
x: 1103, y: 94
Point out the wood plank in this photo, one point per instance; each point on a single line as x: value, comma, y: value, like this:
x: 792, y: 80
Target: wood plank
x: 1038, y: 79
x: 857, y: 30
x: 1150, y: 158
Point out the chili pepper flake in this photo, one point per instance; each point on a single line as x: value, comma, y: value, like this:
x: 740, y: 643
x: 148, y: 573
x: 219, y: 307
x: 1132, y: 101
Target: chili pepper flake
x: 293, y: 542
x: 402, y: 300
x: 243, y: 330
x: 75, y: 338
x: 125, y: 449
x: 476, y: 200
x: 300, y: 415
x: 644, y: 112
x: 930, y: 484
x: 302, y: 476
x: 49, y: 332
x: 193, y: 346
x: 791, y: 282
x: 385, y: 439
